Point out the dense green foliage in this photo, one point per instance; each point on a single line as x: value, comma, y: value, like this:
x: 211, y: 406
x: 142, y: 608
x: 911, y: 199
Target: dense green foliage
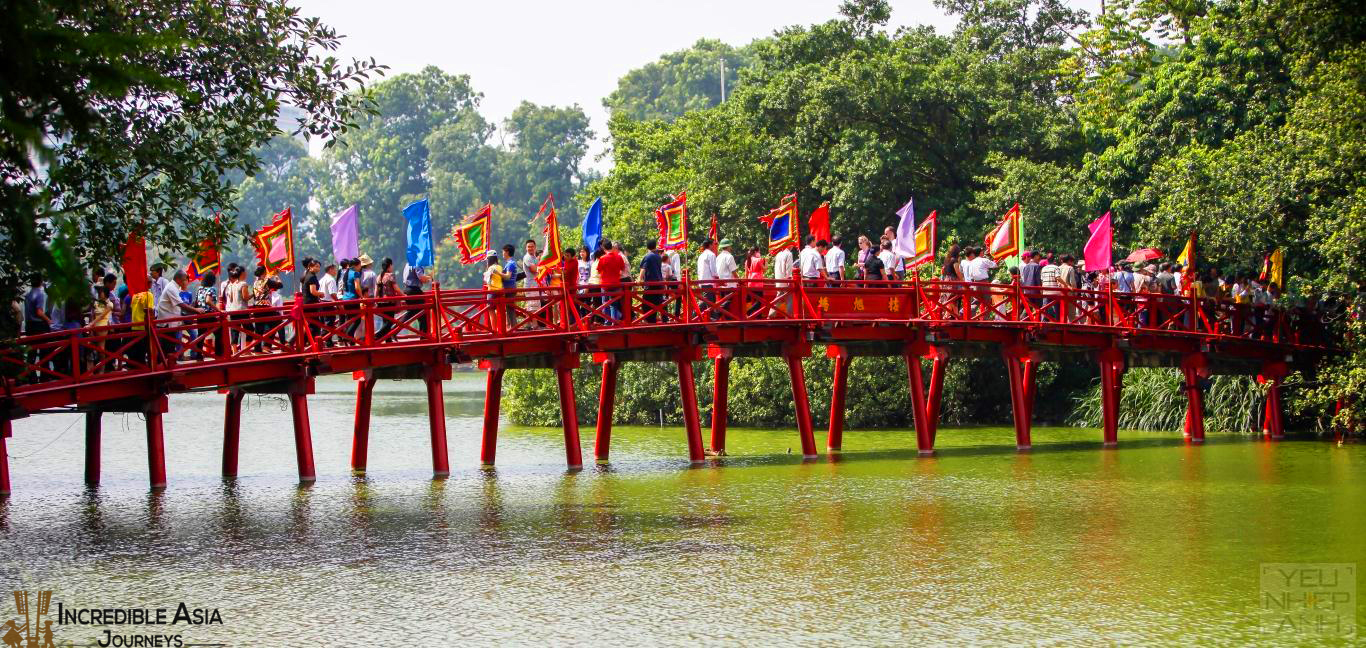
x: 679, y: 82
x: 1153, y: 399
x: 134, y: 115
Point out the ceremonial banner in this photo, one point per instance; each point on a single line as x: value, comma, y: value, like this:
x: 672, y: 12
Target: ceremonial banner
x: 419, y: 217
x: 1273, y: 269
x: 672, y: 219
x: 818, y: 224
x: 1004, y: 240
x: 715, y: 232
x: 275, y: 244
x: 592, y: 227
x: 135, y: 264
x: 206, y: 260
x: 472, y: 236
x: 904, y: 247
x: 346, y: 233
x: 552, y: 258
x: 1187, y: 261
x: 782, y: 225
x: 1101, y: 243
x: 925, y: 237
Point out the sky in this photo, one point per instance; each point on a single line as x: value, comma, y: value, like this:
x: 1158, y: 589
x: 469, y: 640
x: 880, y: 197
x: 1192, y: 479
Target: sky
x: 563, y: 53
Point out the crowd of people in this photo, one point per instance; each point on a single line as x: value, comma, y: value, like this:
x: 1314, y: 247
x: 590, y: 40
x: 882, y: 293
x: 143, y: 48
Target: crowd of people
x: 596, y: 277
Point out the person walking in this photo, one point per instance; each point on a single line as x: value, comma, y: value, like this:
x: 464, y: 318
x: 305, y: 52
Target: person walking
x: 726, y: 271
x: 415, y: 278
x: 754, y: 280
x: 865, y: 252
x: 36, y: 319
x: 169, y: 305
x: 652, y: 280
x: 368, y: 276
x: 706, y: 276
x: 834, y: 262
x: 611, y: 267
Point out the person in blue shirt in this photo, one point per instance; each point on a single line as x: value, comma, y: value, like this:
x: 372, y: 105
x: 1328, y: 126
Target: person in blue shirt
x: 652, y: 275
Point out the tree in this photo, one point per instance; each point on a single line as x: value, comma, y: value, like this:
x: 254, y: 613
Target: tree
x: 137, y: 113
x: 548, y: 146
x: 679, y: 82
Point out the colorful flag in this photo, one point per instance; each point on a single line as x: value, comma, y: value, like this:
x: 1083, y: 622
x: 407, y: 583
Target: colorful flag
x: 1100, y: 245
x: 275, y: 244
x: 715, y: 232
x: 1273, y: 269
x: 1187, y: 261
x: 346, y: 233
x: 672, y: 219
x: 592, y: 226
x: 904, y: 247
x: 818, y: 224
x: 782, y: 225
x: 472, y: 236
x: 419, y: 217
x: 552, y: 258
x: 925, y: 238
x: 1004, y: 240
x: 135, y: 264
x: 206, y: 259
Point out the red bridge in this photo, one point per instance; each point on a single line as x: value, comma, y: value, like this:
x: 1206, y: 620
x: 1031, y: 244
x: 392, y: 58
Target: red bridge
x: 132, y: 368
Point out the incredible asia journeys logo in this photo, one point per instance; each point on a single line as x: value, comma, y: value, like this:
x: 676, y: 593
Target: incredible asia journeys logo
x: 32, y: 630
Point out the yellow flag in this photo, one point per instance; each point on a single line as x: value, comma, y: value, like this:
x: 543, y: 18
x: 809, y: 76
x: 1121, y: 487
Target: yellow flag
x: 1187, y: 256
x: 1276, y: 268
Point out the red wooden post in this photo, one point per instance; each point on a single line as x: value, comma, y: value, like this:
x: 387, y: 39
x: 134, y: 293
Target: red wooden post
x: 92, y: 448
x: 303, y: 435
x: 800, y: 401
x: 232, y: 430
x: 156, y: 451
x: 1027, y: 367
x: 1191, y: 367
x: 720, y: 400
x: 1019, y: 398
x: 1111, y: 381
x: 692, y: 423
x: 360, y: 435
x: 6, y: 430
x: 923, y: 441
x: 1272, y: 373
x: 607, y: 399
x: 834, y: 438
x: 433, y: 374
x: 938, y: 366
x: 564, y: 375
x: 493, y: 396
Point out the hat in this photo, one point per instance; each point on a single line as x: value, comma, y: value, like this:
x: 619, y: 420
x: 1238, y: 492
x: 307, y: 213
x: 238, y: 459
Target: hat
x: 725, y: 243
x: 365, y: 260
x: 1150, y: 268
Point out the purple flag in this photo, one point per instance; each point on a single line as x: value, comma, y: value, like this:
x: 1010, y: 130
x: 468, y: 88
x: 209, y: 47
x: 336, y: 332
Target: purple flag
x: 1099, y: 245
x: 346, y: 233
x: 904, y: 247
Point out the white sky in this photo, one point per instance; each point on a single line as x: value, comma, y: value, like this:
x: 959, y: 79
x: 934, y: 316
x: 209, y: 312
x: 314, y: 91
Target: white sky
x: 561, y: 53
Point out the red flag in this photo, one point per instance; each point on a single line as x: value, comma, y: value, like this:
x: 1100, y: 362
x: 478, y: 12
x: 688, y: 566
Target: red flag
x: 715, y: 233
x: 818, y: 225
x: 135, y: 264
x: 206, y: 260
x: 275, y: 244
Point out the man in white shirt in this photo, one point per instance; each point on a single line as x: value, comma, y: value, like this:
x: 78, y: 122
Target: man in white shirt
x: 169, y: 305
x: 706, y: 271
x: 889, y: 261
x: 725, y: 273
x: 158, y: 280
x: 328, y: 283
x: 812, y: 262
x: 782, y: 271
x: 834, y: 261
x: 978, y: 270
x: 899, y: 264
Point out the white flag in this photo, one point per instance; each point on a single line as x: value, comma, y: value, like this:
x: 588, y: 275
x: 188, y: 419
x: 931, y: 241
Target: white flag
x: 904, y: 247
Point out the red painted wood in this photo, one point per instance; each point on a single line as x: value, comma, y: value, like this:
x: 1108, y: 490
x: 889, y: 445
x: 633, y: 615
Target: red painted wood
x: 232, y: 430
x: 92, y: 448
x: 5, y: 433
x: 360, y: 437
x: 607, y: 399
x: 801, y: 404
x: 834, y: 438
x: 573, y: 454
x: 156, y: 451
x: 436, y: 420
x: 692, y: 424
x: 493, y: 396
x: 720, y: 403
x: 303, y: 437
x: 924, y: 443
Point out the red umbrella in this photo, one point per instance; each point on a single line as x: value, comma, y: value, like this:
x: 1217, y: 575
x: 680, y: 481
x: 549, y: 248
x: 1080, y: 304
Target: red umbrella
x: 1145, y: 254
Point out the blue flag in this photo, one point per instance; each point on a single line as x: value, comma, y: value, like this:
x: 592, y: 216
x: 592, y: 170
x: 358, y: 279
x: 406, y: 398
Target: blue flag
x: 592, y: 226
x: 419, y: 217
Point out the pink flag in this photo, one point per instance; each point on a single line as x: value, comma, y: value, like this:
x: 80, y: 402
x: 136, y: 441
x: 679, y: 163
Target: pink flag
x: 1099, y: 245
x: 346, y: 233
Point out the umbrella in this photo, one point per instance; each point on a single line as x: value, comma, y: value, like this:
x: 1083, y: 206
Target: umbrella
x: 1145, y: 254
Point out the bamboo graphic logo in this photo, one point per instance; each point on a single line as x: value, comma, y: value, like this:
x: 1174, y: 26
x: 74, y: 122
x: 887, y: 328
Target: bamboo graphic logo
x: 29, y: 630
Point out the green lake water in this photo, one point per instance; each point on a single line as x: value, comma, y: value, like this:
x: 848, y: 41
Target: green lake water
x: 1069, y: 544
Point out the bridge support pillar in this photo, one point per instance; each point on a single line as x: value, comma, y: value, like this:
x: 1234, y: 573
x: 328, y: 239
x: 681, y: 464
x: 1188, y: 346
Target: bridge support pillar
x: 156, y: 446
x: 1111, y: 386
x: 6, y: 429
x: 564, y: 375
x: 1272, y: 374
x: 607, y: 400
x: 915, y: 378
x: 232, y: 430
x: 92, y: 447
x: 834, y: 438
x: 303, y: 435
x: 493, y: 398
x: 360, y: 433
x: 433, y: 374
x: 1192, y: 367
x: 939, y: 363
x: 1020, y: 371
x: 692, y: 423
x: 720, y: 399
x: 793, y: 354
